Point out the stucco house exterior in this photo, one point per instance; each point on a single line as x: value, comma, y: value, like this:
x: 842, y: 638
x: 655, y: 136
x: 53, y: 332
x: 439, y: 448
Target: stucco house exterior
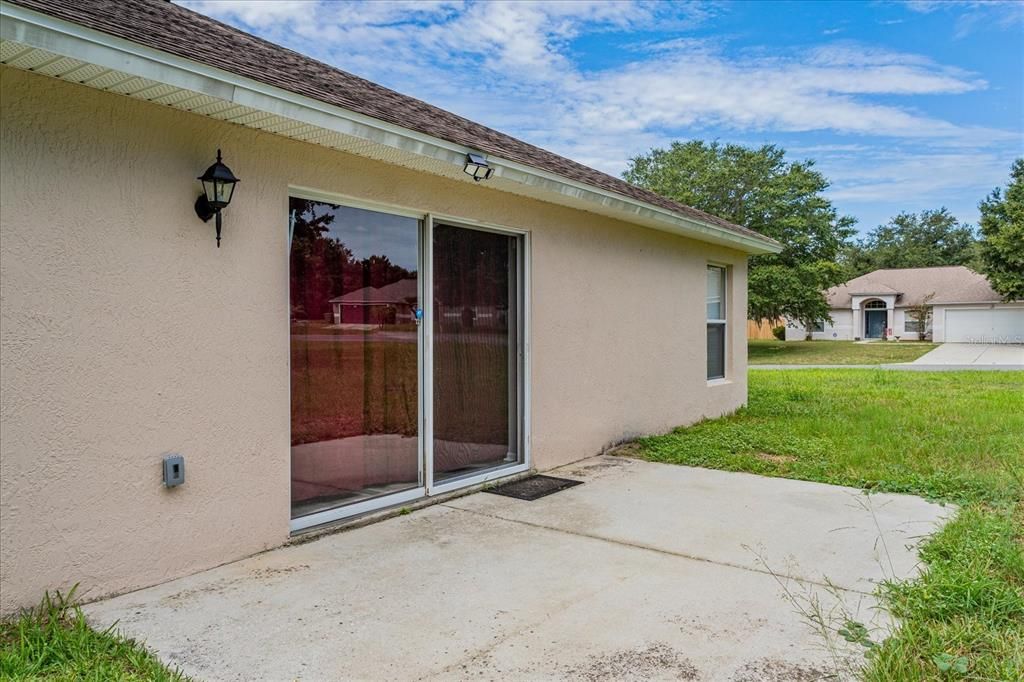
x: 964, y: 308
x: 171, y: 403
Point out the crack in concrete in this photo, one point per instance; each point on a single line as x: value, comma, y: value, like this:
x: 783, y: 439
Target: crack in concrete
x: 667, y: 552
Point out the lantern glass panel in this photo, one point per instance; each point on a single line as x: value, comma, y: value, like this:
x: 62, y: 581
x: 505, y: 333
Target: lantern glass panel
x: 223, y: 191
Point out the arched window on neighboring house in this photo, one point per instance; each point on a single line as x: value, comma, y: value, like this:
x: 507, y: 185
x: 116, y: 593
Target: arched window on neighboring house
x: 874, y: 304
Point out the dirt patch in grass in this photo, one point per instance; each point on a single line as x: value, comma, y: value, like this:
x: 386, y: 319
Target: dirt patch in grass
x: 774, y: 459
x: 632, y: 449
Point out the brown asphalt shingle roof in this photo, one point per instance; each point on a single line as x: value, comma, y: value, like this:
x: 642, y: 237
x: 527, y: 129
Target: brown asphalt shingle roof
x: 950, y: 284
x: 401, y: 291
x: 164, y: 26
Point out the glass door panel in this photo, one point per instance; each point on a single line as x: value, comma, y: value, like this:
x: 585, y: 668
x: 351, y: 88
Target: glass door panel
x: 476, y: 309
x: 354, y: 355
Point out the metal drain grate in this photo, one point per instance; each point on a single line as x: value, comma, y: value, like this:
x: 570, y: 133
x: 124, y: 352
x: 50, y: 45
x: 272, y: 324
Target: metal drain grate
x: 533, y: 488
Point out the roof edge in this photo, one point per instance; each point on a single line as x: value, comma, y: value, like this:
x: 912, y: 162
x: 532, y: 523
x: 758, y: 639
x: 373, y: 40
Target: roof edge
x: 44, y: 31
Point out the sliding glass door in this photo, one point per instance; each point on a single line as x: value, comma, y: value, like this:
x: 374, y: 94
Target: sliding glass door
x: 476, y: 351
x: 407, y: 362
x: 354, y: 355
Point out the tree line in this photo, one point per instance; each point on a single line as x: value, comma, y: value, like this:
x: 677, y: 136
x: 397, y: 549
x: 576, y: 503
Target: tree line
x: 785, y: 200
x: 323, y: 267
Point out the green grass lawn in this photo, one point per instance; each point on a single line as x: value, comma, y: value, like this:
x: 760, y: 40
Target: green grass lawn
x: 956, y: 437
x: 53, y: 642
x: 772, y: 352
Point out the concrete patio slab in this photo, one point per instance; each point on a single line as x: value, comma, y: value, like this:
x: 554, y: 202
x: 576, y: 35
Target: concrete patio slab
x: 811, y: 531
x: 646, y: 571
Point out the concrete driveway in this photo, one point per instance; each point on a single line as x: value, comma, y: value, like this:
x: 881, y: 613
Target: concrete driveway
x: 646, y: 571
x: 975, y: 355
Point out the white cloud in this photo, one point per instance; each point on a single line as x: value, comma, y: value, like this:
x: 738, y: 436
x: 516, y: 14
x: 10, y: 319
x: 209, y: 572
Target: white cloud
x: 974, y: 14
x: 816, y: 93
x: 909, y: 175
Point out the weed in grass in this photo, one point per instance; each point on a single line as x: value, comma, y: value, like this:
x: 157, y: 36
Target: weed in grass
x: 845, y: 639
x: 966, y: 610
x: 54, y: 642
x: 849, y: 643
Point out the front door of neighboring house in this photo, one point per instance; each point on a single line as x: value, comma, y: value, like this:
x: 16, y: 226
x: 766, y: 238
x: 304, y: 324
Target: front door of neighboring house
x: 874, y: 323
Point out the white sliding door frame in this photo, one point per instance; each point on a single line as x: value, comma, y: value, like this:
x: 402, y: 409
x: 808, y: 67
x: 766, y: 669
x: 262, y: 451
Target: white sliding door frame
x: 425, y: 398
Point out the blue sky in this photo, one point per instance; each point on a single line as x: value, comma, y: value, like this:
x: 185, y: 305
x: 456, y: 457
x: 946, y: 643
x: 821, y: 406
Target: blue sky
x: 903, y: 105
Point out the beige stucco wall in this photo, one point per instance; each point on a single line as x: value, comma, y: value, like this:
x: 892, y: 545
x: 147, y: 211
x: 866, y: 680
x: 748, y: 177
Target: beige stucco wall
x: 839, y: 329
x: 127, y: 335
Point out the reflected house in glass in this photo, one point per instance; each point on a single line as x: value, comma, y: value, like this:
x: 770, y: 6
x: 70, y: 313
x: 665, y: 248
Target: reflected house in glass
x: 393, y: 303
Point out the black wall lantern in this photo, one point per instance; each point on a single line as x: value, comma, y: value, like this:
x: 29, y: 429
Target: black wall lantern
x: 476, y: 167
x: 218, y: 186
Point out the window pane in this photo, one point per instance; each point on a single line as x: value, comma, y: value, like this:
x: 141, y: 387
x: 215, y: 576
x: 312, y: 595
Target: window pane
x: 476, y: 422
x: 716, y: 351
x: 716, y: 293
x: 354, y: 357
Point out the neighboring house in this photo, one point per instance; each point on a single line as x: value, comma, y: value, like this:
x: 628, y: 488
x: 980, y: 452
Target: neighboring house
x: 578, y: 310
x: 394, y: 303
x: 964, y: 308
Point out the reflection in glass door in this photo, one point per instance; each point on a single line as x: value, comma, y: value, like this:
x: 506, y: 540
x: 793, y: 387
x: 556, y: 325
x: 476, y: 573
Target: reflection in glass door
x: 354, y: 355
x: 476, y: 351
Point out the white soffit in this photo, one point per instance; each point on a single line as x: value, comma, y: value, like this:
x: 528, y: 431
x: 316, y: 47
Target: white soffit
x: 42, y: 44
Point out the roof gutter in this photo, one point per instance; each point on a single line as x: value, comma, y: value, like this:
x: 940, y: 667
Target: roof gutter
x: 68, y: 39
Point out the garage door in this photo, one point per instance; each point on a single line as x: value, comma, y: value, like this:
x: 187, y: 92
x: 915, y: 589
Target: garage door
x: 998, y: 325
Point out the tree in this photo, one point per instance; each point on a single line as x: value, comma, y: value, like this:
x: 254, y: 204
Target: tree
x: 760, y: 189
x: 1002, y: 236
x: 921, y: 313
x: 927, y: 239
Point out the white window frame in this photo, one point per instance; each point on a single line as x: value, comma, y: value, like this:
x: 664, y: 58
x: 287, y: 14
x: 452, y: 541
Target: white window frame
x: 722, y: 322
